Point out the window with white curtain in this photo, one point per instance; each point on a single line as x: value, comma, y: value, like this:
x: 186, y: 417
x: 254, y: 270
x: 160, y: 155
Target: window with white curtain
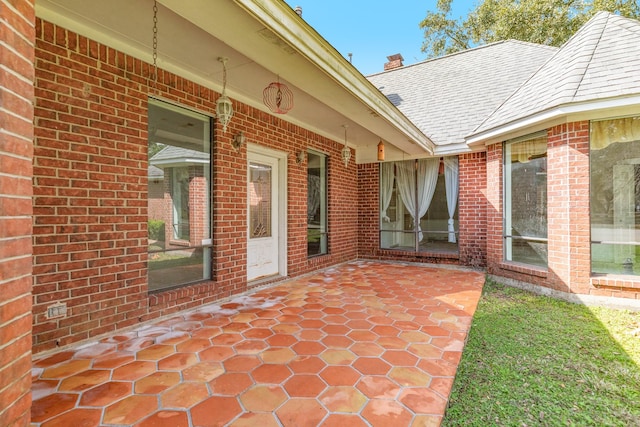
x: 525, y: 200
x: 418, y: 205
x: 615, y: 195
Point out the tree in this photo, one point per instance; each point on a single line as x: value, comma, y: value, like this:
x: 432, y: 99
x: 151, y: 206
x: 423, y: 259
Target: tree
x: 549, y: 22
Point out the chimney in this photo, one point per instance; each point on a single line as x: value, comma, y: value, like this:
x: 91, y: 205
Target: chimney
x: 395, y: 61
x: 298, y: 10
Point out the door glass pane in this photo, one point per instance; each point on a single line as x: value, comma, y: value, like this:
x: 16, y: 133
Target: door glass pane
x: 260, y: 192
x: 615, y: 196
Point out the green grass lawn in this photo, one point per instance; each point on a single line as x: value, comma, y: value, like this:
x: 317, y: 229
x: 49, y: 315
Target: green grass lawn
x: 535, y: 361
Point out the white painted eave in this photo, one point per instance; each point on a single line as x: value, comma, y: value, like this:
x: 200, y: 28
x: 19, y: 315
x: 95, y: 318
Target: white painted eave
x: 590, y: 110
x: 296, y: 32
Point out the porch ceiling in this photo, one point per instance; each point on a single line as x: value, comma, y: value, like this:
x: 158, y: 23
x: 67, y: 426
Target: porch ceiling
x: 264, y: 41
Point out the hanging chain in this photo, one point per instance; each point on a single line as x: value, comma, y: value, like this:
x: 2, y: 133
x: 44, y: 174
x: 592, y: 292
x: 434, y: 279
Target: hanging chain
x: 155, y: 43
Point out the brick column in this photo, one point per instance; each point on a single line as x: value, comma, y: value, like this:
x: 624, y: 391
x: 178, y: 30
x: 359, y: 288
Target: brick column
x: 17, y: 38
x: 472, y: 209
x: 495, y: 243
x: 568, y: 207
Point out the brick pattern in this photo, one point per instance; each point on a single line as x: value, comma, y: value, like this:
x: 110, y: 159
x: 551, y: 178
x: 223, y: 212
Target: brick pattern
x: 368, y: 224
x: 90, y: 190
x: 16, y: 152
x: 472, y: 209
x: 569, y: 248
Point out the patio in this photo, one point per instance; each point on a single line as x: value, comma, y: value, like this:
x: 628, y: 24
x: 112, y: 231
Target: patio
x: 361, y: 344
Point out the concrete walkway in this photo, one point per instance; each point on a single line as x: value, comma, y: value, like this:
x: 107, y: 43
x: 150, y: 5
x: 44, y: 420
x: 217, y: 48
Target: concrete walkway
x: 361, y: 344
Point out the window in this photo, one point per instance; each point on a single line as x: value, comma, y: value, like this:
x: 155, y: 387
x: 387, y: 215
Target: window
x: 179, y: 198
x: 316, y: 203
x: 525, y: 200
x: 418, y: 205
x: 615, y: 195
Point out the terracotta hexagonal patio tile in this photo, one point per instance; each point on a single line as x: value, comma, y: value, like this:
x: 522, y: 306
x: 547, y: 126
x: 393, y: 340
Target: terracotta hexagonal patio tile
x: 253, y: 419
x: 340, y: 375
x: 338, y: 357
x: 184, y: 395
x: 155, y: 352
x: 386, y: 413
x: 423, y: 401
x: 263, y: 398
x: 193, y: 345
x: 410, y: 376
x: 84, y: 380
x: 156, y: 382
x: 52, y: 405
x: 216, y: 353
x: 307, y: 365
x: 66, y: 369
x: 343, y: 399
x: 304, y: 386
x: 371, y: 366
x: 215, y: 411
x: 400, y: 358
x: 378, y: 387
x: 177, y: 361
x: 298, y: 412
x: 343, y: 420
x: 277, y: 355
x: 308, y: 348
x: 131, y: 409
x: 271, y: 373
x: 165, y: 419
x: 203, y: 371
x: 76, y: 417
x: 231, y: 384
x: 241, y: 363
x: 133, y: 371
x: 107, y: 393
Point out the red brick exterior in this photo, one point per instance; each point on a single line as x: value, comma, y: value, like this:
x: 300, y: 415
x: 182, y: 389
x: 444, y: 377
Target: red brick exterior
x: 16, y: 153
x: 472, y: 209
x: 568, y: 224
x: 90, y: 188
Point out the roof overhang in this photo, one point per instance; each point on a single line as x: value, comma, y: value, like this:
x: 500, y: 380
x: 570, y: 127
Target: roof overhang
x: 591, y: 110
x: 264, y: 41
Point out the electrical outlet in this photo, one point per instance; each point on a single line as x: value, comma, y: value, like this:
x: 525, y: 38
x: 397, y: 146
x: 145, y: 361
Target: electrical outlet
x: 57, y: 310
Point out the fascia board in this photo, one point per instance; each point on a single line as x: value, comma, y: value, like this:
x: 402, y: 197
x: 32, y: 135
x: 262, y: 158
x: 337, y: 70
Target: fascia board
x: 560, y: 114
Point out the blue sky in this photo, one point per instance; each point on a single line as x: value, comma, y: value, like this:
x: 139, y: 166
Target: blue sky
x: 373, y: 30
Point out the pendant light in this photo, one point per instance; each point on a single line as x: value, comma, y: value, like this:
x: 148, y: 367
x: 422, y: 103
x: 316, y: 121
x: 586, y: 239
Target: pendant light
x: 346, y: 151
x: 224, y: 108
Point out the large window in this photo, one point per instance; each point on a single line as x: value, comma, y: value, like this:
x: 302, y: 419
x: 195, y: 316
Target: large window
x: 316, y: 203
x: 179, y: 196
x: 525, y: 200
x: 615, y: 196
x: 418, y: 205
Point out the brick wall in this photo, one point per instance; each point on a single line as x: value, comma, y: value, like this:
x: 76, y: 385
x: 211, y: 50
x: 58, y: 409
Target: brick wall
x: 472, y: 209
x: 16, y: 150
x: 90, y: 188
x: 369, y: 225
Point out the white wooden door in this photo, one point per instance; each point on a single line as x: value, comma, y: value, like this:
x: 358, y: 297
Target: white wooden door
x: 263, y: 249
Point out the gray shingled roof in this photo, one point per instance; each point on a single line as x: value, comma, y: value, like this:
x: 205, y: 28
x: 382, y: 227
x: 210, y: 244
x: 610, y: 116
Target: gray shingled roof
x: 449, y: 97
x: 172, y: 154
x: 602, y: 60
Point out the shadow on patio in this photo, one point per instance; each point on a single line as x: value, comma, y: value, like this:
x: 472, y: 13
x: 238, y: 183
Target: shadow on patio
x: 364, y: 343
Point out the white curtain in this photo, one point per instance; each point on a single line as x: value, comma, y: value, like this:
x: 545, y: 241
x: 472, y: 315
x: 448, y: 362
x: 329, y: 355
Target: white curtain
x: 451, y: 186
x: 427, y: 172
x: 386, y: 188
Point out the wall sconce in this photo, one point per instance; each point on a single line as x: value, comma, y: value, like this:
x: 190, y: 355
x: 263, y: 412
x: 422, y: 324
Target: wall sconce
x: 224, y: 108
x: 238, y: 141
x: 381, y: 151
x: 300, y: 156
x: 346, y: 152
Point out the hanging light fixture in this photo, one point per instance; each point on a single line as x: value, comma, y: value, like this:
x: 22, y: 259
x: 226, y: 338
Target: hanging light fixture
x: 224, y: 108
x: 381, y: 151
x: 346, y: 152
x: 278, y: 97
